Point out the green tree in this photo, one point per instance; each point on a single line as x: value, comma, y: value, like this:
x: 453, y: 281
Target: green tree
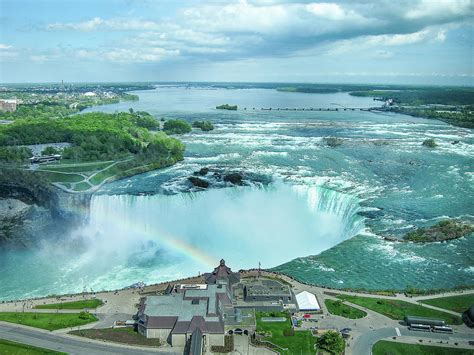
x: 50, y: 151
x: 331, y: 341
x: 177, y: 127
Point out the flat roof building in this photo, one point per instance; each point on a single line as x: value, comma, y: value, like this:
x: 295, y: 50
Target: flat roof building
x: 307, y: 301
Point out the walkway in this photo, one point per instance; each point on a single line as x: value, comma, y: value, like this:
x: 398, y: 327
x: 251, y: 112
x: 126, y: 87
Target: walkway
x: 71, y: 344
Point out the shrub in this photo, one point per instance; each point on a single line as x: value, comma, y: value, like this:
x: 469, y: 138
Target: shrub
x: 430, y: 143
x: 203, y: 125
x: 333, y: 141
x: 177, y: 127
x: 50, y: 151
x: 84, y: 315
x: 228, y: 345
x: 331, y: 341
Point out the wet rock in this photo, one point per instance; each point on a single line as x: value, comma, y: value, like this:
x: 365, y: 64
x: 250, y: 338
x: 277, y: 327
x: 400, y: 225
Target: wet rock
x: 202, y: 172
x: 455, y: 142
x: 198, y: 182
x: 234, y: 178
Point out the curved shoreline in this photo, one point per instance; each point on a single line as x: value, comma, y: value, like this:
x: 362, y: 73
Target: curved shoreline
x: 161, y: 286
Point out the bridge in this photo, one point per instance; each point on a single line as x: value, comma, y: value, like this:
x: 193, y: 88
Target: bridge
x: 330, y: 109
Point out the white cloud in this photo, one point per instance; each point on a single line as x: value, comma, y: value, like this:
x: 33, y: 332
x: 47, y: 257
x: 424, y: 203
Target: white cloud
x: 441, y: 9
x: 256, y: 28
x: 4, y: 46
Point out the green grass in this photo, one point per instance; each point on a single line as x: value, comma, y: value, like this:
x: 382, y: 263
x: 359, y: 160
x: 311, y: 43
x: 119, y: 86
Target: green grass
x: 78, y: 168
x: 82, y: 186
x: 72, y: 305
x: 48, y: 321
x: 384, y: 347
x: 396, y: 309
x: 340, y: 309
x: 300, y: 343
x: 60, y: 177
x: 454, y: 303
x: 118, y: 335
x: 98, y: 178
x: 8, y: 347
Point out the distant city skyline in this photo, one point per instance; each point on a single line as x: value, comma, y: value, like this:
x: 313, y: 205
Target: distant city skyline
x: 399, y: 42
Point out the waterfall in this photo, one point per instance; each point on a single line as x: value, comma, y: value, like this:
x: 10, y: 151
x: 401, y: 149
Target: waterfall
x: 244, y: 225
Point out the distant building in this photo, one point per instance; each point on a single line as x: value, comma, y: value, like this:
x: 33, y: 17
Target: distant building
x: 8, y: 105
x: 89, y: 94
x: 45, y: 158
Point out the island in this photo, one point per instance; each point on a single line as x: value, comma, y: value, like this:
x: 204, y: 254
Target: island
x: 227, y: 107
x: 442, y: 231
x: 203, y: 125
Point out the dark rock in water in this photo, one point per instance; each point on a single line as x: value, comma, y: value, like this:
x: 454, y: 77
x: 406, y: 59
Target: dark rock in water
x: 455, y: 142
x: 234, y: 178
x: 391, y: 239
x: 198, y: 182
x: 202, y: 172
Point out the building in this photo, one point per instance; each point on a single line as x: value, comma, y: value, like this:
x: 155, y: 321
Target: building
x: 45, y: 159
x: 263, y: 295
x: 8, y: 105
x: 222, y: 274
x: 185, y: 310
x: 175, y: 316
x: 267, y: 290
x: 307, y: 302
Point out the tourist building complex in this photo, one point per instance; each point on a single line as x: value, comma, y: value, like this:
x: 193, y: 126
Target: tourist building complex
x: 201, y: 314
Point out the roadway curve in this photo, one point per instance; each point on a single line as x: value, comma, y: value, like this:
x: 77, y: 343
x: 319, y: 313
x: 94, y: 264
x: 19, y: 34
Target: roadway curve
x: 365, y: 342
x: 69, y: 344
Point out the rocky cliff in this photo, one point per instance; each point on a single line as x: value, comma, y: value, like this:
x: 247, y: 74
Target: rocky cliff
x: 31, y: 210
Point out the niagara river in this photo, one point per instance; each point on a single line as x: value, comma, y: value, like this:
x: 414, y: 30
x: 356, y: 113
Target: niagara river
x: 315, y: 212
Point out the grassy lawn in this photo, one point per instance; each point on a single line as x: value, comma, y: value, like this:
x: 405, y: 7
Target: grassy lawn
x: 454, y: 303
x: 72, y: 305
x: 78, y: 168
x: 396, y: 309
x: 98, y: 178
x: 384, y: 347
x: 302, y: 342
x: 48, y: 321
x: 10, y: 347
x: 340, y: 309
x: 82, y: 186
x: 118, y: 335
x: 60, y: 177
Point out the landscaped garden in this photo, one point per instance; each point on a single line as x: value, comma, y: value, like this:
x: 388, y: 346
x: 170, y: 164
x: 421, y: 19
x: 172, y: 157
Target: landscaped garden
x: 283, y: 335
x: 12, y: 347
x: 72, y: 305
x: 119, y: 335
x: 396, y: 309
x: 454, y: 303
x: 340, y: 309
x: 48, y: 321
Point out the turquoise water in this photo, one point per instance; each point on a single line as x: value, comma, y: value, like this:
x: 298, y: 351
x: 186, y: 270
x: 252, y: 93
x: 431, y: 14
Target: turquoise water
x: 320, y: 218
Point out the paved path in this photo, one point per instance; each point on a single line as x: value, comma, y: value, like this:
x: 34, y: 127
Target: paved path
x: 70, y: 344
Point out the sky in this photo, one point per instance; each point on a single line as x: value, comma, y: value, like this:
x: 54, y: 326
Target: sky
x: 355, y: 41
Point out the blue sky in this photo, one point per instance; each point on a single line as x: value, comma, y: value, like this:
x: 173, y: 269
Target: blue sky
x: 385, y: 41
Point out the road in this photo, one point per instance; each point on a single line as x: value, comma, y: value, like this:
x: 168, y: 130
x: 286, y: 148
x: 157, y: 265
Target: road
x: 366, y: 341
x: 69, y: 344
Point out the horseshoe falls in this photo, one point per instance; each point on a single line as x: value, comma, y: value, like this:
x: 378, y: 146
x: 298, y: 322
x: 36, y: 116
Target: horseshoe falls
x: 315, y: 212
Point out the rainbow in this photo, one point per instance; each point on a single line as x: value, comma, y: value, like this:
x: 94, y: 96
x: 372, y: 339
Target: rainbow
x: 165, y: 239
